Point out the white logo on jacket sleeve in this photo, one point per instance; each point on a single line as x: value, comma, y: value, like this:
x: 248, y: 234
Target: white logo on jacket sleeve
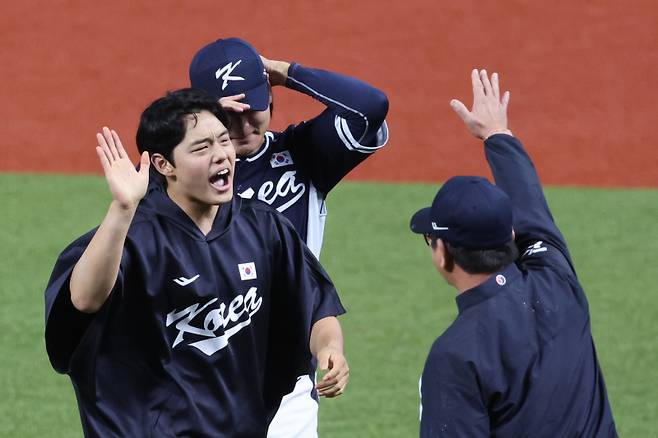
x: 280, y: 159
x: 225, y: 73
x: 535, y: 248
x: 247, y: 271
x: 227, y: 320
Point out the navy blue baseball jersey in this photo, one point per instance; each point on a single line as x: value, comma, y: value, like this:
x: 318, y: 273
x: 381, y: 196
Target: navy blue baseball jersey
x: 294, y: 170
x: 519, y: 359
x: 202, y: 334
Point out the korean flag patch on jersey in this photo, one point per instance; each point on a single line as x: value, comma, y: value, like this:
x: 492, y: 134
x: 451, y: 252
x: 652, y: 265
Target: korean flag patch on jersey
x: 280, y: 159
x: 247, y: 271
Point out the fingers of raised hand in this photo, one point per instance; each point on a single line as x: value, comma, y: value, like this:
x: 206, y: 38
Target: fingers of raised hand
x: 495, y: 86
x: 117, y: 141
x: 111, y: 145
x: 505, y: 100
x: 486, y: 83
x: 103, y: 157
x: 460, y: 109
x: 478, y: 87
x: 232, y: 103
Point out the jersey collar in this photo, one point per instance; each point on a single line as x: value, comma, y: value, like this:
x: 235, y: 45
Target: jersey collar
x: 261, y: 150
x: 161, y: 205
x: 498, y: 282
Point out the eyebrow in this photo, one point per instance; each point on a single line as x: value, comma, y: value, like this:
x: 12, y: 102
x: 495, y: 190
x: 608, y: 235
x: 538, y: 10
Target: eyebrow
x: 208, y: 139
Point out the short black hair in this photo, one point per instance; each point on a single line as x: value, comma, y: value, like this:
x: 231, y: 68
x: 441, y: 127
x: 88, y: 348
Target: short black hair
x: 162, y: 125
x: 481, y: 261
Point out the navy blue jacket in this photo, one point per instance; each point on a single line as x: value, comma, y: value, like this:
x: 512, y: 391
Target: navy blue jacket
x: 201, y: 335
x: 294, y: 170
x: 519, y: 359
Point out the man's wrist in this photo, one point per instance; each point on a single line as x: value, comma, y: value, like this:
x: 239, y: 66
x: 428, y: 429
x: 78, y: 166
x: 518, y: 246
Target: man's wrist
x: 279, y: 75
x: 497, y: 131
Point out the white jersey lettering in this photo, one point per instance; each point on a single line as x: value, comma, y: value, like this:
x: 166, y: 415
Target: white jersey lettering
x: 216, y: 319
x: 286, y: 185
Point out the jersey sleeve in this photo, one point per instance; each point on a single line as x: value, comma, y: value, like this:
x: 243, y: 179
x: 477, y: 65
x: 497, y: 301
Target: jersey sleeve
x: 349, y: 130
x: 534, y: 226
x: 304, y: 279
x: 72, y: 336
x: 451, y: 404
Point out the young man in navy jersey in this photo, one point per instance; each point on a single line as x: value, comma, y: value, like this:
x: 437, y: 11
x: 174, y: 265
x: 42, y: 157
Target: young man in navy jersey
x: 294, y: 170
x: 519, y: 359
x: 194, y: 313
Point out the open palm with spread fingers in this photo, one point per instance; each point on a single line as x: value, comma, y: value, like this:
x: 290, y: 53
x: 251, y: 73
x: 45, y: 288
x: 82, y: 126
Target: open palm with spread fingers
x: 488, y: 115
x: 127, y: 185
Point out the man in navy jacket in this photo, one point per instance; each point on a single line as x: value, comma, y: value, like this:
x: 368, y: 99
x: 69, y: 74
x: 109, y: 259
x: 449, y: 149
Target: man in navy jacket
x: 519, y: 359
x: 191, y: 314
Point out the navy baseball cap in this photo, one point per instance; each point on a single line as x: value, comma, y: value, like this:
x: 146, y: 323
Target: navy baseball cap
x: 231, y: 66
x: 469, y: 212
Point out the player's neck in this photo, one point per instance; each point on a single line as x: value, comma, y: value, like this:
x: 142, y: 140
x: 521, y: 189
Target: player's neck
x: 463, y: 281
x: 203, y: 215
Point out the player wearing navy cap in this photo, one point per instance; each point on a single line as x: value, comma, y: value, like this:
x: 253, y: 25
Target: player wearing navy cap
x: 519, y: 359
x: 192, y: 314
x: 294, y: 170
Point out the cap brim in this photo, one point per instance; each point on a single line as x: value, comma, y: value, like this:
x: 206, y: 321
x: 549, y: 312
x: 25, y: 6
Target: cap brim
x: 421, y: 222
x: 258, y: 98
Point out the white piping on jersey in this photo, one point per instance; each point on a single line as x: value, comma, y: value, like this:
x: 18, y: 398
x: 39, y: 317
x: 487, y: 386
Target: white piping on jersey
x: 365, y: 119
x: 343, y: 130
x: 268, y: 137
x: 317, y: 213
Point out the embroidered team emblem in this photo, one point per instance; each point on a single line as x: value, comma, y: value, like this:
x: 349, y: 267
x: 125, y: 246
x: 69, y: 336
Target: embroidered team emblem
x: 225, y: 74
x: 182, y: 281
x: 247, y: 194
x: 247, y: 271
x: 280, y: 159
x: 501, y: 280
x: 535, y: 248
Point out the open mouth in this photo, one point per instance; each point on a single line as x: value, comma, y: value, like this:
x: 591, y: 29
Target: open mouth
x: 220, y: 180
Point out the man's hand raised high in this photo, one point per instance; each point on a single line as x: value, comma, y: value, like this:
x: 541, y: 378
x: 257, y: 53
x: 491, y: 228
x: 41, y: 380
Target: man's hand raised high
x: 127, y: 185
x: 488, y: 115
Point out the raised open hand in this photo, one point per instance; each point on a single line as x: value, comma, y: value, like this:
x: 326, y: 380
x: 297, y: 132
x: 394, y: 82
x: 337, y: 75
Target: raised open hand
x: 488, y: 115
x: 127, y: 185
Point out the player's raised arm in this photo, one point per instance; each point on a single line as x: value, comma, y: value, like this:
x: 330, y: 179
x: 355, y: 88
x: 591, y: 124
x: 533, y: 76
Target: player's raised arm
x: 348, y: 131
x: 511, y: 166
x: 96, y: 272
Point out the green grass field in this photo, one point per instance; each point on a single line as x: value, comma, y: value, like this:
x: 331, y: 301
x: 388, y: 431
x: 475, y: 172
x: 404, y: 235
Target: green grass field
x: 397, y: 304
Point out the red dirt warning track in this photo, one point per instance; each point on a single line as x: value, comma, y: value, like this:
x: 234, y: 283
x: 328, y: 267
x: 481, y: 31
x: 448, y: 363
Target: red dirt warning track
x: 582, y: 76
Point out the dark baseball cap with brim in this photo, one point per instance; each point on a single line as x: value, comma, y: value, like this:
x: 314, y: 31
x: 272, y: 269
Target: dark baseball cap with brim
x: 468, y: 212
x: 228, y: 67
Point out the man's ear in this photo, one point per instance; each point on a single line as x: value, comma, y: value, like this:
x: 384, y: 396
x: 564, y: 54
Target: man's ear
x: 445, y: 258
x: 162, y: 165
